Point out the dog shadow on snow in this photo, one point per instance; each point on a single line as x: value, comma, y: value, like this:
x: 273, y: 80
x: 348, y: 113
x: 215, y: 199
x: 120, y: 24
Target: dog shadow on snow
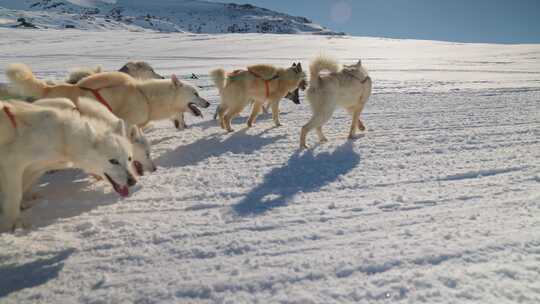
x: 238, y: 121
x: 239, y: 142
x: 303, y: 172
x: 66, y: 194
x: 35, y: 273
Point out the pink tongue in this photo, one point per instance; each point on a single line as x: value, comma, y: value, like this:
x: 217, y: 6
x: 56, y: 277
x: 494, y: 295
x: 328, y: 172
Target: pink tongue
x: 124, y: 191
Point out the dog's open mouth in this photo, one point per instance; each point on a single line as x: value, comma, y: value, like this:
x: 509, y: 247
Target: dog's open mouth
x: 122, y: 191
x: 138, y: 168
x: 193, y: 108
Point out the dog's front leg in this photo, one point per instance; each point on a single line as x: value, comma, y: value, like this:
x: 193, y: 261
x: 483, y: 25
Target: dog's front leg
x: 11, y: 179
x: 179, y: 121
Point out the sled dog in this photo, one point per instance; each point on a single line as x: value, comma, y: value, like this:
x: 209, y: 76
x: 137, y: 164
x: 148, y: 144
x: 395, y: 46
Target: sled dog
x: 348, y: 86
x: 260, y: 84
x: 142, y: 160
x: 48, y: 137
x: 293, y: 96
x: 136, y: 69
x: 136, y: 101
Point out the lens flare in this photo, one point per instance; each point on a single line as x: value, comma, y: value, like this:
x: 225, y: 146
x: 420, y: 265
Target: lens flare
x: 341, y: 12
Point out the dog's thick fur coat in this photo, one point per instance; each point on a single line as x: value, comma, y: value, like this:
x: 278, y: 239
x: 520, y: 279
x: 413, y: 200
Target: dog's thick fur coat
x: 89, y: 108
x: 348, y: 86
x: 260, y: 84
x: 72, y: 141
x: 136, y: 101
x: 135, y: 69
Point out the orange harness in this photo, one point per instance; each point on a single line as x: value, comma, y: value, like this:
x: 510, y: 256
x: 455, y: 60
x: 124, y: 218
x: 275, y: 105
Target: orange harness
x: 266, y: 82
x: 98, y: 97
x: 11, y: 117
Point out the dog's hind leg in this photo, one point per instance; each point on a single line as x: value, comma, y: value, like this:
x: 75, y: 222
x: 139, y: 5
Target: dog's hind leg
x: 221, y: 110
x: 232, y: 113
x: 275, y: 112
x: 320, y: 117
x: 254, y: 112
x: 11, y: 180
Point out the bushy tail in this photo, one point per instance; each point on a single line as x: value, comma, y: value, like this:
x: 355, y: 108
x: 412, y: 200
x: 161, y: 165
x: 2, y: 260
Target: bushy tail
x: 23, y: 81
x: 79, y: 74
x: 319, y: 64
x: 218, y: 77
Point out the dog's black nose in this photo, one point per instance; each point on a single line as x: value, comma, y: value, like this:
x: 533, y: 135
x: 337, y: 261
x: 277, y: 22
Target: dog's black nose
x: 131, y: 181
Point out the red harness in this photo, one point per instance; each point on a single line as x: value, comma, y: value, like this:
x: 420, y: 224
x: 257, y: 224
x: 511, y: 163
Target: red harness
x: 98, y: 97
x: 11, y: 117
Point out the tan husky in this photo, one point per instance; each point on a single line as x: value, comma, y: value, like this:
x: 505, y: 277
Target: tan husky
x: 348, y: 86
x: 259, y: 83
x: 136, y: 101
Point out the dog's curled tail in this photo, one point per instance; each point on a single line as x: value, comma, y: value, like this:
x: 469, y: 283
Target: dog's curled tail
x: 23, y: 81
x: 319, y: 64
x: 81, y: 73
x: 218, y: 77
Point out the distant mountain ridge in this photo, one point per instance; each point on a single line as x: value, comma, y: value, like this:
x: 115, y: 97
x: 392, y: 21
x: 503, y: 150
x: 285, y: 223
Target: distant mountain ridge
x: 195, y: 16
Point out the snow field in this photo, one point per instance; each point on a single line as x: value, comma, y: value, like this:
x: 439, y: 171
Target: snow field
x: 438, y: 202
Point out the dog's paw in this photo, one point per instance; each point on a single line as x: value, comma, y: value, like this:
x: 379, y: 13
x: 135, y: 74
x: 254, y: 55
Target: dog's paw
x: 12, y: 225
x: 361, y: 126
x: 29, y: 201
x: 180, y: 125
x: 355, y: 137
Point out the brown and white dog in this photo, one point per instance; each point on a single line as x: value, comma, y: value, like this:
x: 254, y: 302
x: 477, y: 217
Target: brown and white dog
x: 262, y: 84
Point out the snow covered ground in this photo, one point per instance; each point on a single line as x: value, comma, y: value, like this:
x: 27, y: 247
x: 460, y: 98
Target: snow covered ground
x: 439, y: 202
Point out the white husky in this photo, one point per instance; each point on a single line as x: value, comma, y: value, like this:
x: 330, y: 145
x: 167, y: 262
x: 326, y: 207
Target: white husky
x: 348, y: 86
x: 142, y: 159
x: 135, y: 101
x: 138, y: 70
x: 71, y: 141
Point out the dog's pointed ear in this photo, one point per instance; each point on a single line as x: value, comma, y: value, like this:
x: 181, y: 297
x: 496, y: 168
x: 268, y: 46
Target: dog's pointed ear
x: 299, y: 67
x: 120, y: 128
x: 359, y: 63
x: 177, y: 83
x: 134, y: 133
x: 294, y: 64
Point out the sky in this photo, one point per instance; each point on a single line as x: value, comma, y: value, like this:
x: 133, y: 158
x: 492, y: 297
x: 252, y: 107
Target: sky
x: 495, y: 21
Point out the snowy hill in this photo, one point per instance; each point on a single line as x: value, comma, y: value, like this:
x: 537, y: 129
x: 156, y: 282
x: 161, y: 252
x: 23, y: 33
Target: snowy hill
x: 438, y: 202
x: 163, y: 15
